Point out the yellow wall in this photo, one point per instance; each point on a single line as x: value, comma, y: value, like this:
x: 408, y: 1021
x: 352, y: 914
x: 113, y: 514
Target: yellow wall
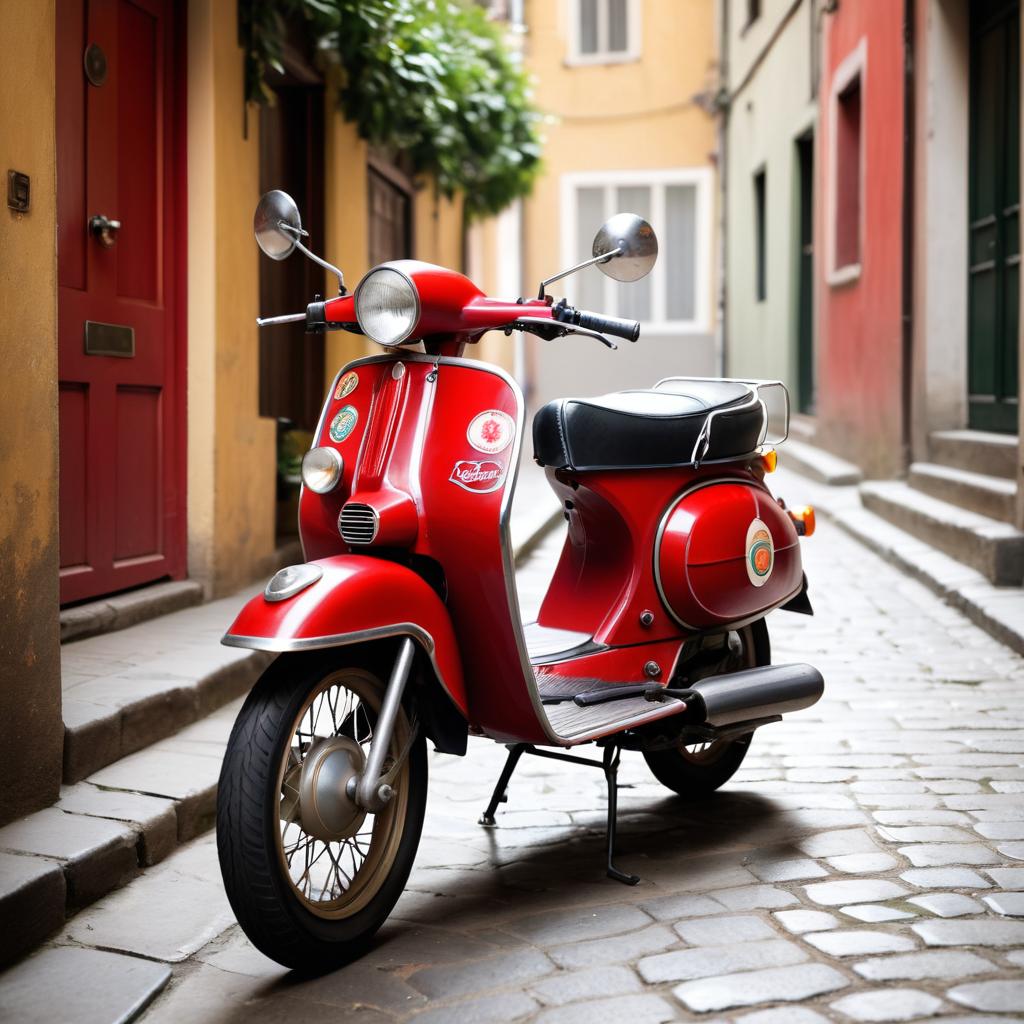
x: 30, y: 755
x: 231, y: 449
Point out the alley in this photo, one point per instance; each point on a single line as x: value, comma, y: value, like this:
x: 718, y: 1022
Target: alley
x: 866, y: 863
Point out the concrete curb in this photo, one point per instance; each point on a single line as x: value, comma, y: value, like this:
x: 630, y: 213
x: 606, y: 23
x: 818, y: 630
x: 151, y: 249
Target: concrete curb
x: 999, y: 611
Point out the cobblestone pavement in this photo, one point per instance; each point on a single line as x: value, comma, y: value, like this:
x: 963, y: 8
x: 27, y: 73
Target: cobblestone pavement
x: 866, y: 864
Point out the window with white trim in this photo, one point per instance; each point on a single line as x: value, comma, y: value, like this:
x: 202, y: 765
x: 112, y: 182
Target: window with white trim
x: 603, y: 31
x: 673, y: 298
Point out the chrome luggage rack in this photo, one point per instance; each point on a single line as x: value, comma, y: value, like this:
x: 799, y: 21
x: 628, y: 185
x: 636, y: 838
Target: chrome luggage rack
x: 771, y: 395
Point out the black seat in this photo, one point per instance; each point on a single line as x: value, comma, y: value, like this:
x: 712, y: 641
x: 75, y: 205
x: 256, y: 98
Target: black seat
x: 647, y: 429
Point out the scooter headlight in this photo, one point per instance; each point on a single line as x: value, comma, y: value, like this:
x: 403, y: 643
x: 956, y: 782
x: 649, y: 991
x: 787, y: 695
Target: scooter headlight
x: 321, y: 469
x: 387, y: 306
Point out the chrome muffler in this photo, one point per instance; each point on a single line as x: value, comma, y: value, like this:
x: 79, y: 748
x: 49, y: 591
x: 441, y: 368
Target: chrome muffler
x: 754, y: 693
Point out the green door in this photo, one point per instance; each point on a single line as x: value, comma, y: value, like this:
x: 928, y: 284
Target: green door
x: 994, y: 215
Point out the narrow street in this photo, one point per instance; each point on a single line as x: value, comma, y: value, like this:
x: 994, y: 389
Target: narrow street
x: 865, y: 864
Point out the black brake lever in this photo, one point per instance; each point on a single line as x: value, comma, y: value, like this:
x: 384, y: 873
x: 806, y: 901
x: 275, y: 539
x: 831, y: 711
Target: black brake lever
x: 551, y: 329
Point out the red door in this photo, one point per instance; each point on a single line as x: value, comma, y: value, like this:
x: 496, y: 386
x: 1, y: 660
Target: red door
x: 119, y: 322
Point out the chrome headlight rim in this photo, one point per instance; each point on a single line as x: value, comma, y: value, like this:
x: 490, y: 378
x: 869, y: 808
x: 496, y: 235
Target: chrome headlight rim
x: 334, y: 458
x: 417, y: 309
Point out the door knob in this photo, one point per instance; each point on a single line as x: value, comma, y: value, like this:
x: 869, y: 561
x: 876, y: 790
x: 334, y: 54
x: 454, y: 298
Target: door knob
x: 104, y: 230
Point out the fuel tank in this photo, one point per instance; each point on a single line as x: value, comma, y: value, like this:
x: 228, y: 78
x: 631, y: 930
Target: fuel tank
x: 725, y: 552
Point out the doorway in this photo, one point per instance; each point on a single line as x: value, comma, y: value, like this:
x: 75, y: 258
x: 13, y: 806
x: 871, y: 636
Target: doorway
x: 120, y: 218
x: 994, y: 216
x: 805, y: 273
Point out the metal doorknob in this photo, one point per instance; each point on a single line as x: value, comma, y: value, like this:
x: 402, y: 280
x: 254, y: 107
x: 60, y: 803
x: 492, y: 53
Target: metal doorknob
x: 104, y: 230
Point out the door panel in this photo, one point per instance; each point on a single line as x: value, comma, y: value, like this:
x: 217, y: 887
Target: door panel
x: 121, y: 502
x: 994, y: 242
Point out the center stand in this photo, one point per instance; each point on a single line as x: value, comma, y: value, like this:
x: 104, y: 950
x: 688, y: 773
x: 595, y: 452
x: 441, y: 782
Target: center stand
x: 609, y: 764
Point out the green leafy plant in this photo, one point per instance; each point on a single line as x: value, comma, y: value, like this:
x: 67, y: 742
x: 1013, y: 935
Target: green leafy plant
x: 429, y: 78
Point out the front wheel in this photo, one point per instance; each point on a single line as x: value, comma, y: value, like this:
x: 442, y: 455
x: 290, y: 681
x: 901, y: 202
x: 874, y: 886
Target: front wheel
x: 310, y: 875
x: 694, y: 770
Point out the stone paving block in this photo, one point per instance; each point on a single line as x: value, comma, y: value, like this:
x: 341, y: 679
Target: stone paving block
x: 1015, y: 851
x: 1009, y: 904
x: 971, y: 933
x: 800, y: 921
x: 839, y: 843
x: 1000, y: 829
x: 866, y: 890
x: 921, y: 817
x: 505, y: 970
x: 707, y: 961
x: 925, y: 834
x: 1001, y: 996
x: 86, y: 986
x: 788, y: 870
x: 637, y: 1009
x: 930, y: 963
x: 891, y: 1004
x: 780, y: 984
x: 671, y: 908
x: 152, y: 818
x: 783, y: 1015
x: 96, y: 855
x: 496, y: 1009
x: 717, y: 931
x: 32, y: 893
x: 945, y: 878
x: 928, y: 855
x: 617, y: 948
x: 591, y: 983
x: 859, y: 943
x: 863, y: 863
x: 755, y: 897
x: 947, y: 904
x: 577, y: 924
x: 873, y: 913
x: 1007, y: 878
x: 174, y: 910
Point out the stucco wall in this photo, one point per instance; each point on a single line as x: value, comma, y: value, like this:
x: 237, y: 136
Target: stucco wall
x: 772, y: 106
x: 33, y: 734
x: 859, y: 320
x: 638, y: 115
x: 231, y: 449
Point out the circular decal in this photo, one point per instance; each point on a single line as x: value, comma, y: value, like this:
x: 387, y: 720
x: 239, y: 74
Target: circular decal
x: 760, y: 553
x: 491, y: 432
x: 344, y: 423
x: 346, y: 385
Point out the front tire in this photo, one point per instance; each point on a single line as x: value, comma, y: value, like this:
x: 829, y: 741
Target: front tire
x: 695, y: 770
x: 312, y: 879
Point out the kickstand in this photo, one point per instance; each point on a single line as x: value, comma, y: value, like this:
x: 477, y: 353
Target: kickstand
x: 610, y: 762
x: 500, y: 794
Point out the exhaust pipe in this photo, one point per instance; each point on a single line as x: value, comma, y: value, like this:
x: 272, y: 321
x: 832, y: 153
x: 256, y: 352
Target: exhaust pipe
x: 758, y: 693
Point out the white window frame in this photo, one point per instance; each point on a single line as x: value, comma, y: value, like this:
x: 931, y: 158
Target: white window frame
x: 657, y: 180
x: 853, y: 65
x: 603, y: 55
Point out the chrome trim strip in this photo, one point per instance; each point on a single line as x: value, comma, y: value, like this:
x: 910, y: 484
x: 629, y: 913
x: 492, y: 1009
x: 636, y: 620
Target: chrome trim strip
x: 316, y: 643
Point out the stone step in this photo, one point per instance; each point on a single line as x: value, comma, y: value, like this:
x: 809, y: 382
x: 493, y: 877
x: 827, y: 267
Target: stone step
x: 818, y: 464
x: 995, y: 549
x: 977, y: 451
x: 103, y: 831
x: 992, y: 496
x: 123, y: 610
x: 126, y: 690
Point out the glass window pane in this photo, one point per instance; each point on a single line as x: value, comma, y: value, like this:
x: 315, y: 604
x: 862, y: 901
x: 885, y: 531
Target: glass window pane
x: 679, y: 251
x: 588, y: 26
x: 618, y: 29
x: 587, y: 287
x: 634, y: 299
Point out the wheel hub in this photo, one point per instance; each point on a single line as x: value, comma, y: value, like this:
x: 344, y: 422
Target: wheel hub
x: 325, y: 808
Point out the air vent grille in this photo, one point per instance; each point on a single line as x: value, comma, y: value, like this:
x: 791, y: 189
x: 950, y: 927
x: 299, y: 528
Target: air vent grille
x: 358, y: 523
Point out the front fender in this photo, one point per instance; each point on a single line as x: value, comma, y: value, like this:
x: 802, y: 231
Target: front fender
x: 357, y: 599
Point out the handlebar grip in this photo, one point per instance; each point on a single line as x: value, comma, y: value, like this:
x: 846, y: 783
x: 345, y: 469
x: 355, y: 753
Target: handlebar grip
x: 617, y: 325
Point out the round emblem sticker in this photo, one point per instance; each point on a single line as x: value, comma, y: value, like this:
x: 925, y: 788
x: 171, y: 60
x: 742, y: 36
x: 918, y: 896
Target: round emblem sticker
x: 491, y: 432
x: 760, y: 553
x: 346, y: 385
x: 344, y: 423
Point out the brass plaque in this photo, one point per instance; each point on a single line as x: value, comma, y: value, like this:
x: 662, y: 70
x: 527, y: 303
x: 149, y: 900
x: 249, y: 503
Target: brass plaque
x: 109, y: 340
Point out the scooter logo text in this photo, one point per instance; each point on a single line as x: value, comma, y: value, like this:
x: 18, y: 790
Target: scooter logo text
x: 481, y: 477
x: 491, y: 432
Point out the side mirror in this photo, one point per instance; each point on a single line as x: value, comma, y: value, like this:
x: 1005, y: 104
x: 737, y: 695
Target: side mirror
x: 630, y: 246
x: 277, y: 224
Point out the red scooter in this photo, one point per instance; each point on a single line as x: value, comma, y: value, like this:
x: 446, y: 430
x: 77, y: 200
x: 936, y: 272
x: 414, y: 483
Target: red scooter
x: 403, y: 622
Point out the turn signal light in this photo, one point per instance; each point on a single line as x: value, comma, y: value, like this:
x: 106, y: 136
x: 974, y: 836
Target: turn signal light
x: 770, y: 459
x: 803, y: 520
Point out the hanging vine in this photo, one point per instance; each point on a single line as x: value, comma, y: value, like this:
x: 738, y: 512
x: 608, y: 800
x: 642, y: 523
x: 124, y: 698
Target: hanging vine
x: 429, y: 78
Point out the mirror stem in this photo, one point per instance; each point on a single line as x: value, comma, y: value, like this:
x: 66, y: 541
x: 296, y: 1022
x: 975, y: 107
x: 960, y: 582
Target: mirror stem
x: 296, y: 234
x: 603, y: 258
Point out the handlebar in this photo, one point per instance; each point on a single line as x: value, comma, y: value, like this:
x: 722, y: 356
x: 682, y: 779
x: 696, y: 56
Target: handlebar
x: 619, y: 326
